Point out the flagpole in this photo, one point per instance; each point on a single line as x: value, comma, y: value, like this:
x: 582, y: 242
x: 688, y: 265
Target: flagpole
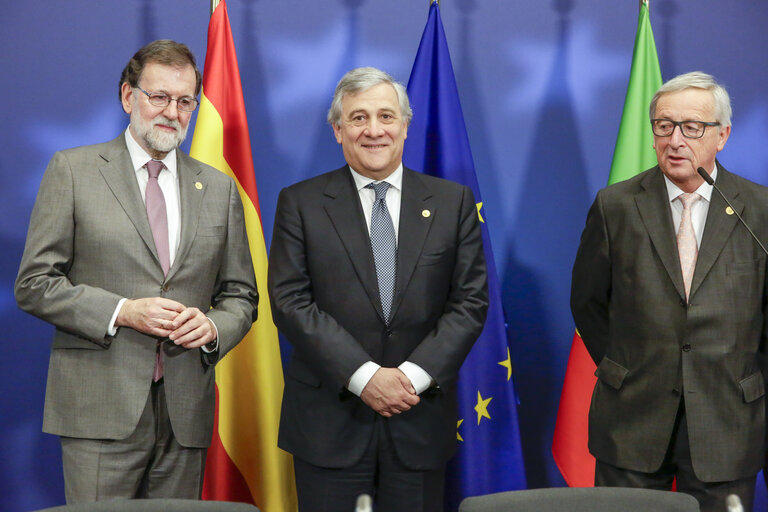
x: 215, y: 3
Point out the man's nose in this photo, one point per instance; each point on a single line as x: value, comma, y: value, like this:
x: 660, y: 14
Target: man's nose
x: 676, y: 138
x: 374, y: 128
x: 172, y: 110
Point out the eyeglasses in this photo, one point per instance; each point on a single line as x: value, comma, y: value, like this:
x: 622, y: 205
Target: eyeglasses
x: 689, y: 129
x: 160, y: 99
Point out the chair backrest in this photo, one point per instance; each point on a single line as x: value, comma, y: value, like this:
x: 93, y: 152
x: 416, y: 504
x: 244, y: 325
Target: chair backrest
x: 584, y: 499
x: 155, y: 505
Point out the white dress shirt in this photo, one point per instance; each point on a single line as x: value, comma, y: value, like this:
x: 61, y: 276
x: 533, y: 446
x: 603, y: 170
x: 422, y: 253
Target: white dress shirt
x: 698, y: 210
x: 419, y: 378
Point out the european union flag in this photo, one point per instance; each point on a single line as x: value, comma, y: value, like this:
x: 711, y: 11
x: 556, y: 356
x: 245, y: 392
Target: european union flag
x: 489, y: 458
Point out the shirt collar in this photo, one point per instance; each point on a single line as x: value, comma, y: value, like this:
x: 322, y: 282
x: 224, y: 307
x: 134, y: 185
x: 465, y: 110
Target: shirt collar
x: 704, y: 190
x: 139, y: 157
x: 395, y: 179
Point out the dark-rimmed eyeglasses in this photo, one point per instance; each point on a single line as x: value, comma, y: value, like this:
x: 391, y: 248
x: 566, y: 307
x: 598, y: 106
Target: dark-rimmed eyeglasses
x: 160, y: 99
x: 689, y: 129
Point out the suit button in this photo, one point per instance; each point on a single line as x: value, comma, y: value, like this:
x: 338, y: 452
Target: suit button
x: 388, y: 333
x: 683, y: 303
x: 166, y: 287
x: 687, y: 347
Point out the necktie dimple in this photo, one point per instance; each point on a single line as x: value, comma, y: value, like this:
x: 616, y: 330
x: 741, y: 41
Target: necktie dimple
x: 156, y: 213
x: 384, y: 245
x: 687, y: 247
x: 158, y: 221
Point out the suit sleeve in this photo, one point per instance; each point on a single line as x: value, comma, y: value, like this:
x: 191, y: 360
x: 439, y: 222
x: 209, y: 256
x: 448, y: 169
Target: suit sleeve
x: 591, y: 283
x: 444, y: 349
x: 236, y: 298
x: 42, y: 287
x: 332, y: 349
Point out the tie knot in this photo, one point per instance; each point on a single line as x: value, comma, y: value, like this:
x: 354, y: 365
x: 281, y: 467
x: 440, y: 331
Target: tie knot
x: 688, y: 199
x: 154, y: 167
x: 380, y: 188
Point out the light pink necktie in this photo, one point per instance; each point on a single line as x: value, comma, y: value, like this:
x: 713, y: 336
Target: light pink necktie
x: 158, y: 221
x: 687, y: 247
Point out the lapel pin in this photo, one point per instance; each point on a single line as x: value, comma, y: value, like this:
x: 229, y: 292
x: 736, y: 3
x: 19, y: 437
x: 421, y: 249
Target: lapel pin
x: 729, y: 210
x: 425, y: 213
x: 198, y: 185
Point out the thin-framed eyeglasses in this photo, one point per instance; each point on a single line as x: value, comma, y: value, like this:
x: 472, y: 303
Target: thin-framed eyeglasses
x: 160, y: 99
x: 690, y: 129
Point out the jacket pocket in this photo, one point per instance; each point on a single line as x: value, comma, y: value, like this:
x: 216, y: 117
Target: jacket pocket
x: 752, y: 387
x: 611, y: 372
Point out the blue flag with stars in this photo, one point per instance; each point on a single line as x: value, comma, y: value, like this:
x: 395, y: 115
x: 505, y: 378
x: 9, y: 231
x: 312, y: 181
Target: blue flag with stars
x: 489, y: 456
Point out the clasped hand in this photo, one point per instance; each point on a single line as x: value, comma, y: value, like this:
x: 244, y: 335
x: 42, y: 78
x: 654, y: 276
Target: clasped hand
x: 389, y: 392
x: 166, y: 318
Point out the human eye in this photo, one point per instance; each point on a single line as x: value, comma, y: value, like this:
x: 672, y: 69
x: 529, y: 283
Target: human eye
x: 186, y: 103
x: 358, y: 119
x: 664, y: 125
x: 692, y: 127
x: 159, y: 99
x: 387, y: 117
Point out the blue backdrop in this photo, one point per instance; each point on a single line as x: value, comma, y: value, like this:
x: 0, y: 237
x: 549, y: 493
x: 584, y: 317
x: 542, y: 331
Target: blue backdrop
x: 542, y: 87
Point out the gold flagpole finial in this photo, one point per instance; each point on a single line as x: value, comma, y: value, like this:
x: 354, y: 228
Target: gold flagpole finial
x: 214, y: 4
x: 434, y: 2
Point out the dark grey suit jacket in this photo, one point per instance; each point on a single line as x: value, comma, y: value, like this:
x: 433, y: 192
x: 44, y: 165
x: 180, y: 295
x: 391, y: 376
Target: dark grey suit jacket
x: 654, y: 349
x: 322, y: 283
x: 89, y: 245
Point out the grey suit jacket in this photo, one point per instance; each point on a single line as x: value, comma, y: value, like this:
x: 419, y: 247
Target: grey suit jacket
x: 89, y: 245
x: 653, y: 349
x: 322, y: 283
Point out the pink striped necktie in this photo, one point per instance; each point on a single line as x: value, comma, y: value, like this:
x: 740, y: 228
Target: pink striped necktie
x: 158, y: 221
x: 687, y: 246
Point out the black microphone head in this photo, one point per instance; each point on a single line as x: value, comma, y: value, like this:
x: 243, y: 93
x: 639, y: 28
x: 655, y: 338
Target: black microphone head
x: 704, y: 174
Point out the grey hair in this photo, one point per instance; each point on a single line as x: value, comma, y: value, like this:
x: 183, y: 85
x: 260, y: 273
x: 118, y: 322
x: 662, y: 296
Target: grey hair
x: 698, y: 80
x: 362, y: 79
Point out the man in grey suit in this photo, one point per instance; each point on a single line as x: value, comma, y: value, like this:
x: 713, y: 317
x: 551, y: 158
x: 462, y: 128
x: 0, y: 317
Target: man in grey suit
x: 669, y: 295
x: 379, y: 324
x: 145, y: 298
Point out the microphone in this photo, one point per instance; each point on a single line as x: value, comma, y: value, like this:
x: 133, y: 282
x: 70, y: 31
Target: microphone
x: 733, y: 503
x: 364, y: 504
x: 704, y: 174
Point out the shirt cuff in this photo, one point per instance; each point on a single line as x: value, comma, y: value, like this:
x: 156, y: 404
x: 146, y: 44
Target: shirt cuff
x: 360, y: 378
x: 416, y: 374
x: 112, y: 328
x: 212, y: 346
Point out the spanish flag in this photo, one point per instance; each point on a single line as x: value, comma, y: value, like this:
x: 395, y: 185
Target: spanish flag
x: 244, y: 463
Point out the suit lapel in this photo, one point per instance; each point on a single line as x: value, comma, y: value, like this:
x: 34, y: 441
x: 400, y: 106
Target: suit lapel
x: 117, y: 171
x: 718, y: 226
x: 346, y: 215
x: 414, y: 226
x: 191, y: 192
x: 653, y: 204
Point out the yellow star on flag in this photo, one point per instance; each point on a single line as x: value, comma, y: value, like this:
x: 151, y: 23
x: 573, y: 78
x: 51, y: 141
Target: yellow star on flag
x: 458, y: 424
x: 507, y: 363
x: 482, y: 407
x: 480, y: 205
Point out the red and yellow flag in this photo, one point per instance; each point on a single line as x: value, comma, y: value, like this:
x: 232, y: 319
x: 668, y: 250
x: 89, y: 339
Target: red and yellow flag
x: 244, y: 463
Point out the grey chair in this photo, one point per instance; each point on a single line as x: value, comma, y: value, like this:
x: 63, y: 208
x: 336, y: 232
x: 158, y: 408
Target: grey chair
x: 155, y: 505
x: 582, y: 499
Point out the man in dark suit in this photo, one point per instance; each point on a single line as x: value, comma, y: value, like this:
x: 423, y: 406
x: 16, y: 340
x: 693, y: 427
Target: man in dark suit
x: 669, y: 295
x: 148, y: 280
x: 378, y: 280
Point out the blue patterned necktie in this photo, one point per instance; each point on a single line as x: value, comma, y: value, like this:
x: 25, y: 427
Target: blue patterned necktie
x: 384, y: 247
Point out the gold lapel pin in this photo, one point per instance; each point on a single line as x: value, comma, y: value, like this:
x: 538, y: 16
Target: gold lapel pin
x: 729, y: 210
x: 425, y: 213
x: 198, y: 185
